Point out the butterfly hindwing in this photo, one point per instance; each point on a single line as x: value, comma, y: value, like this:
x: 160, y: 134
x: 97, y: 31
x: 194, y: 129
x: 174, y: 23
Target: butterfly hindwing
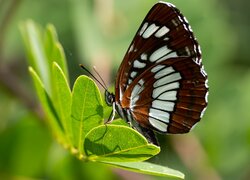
x: 168, y: 97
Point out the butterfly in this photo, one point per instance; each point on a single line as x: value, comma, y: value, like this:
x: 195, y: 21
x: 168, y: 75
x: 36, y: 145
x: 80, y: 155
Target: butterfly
x: 161, y: 85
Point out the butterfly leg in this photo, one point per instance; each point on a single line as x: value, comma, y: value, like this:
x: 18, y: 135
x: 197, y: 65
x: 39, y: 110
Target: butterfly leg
x: 130, y: 124
x: 112, y: 115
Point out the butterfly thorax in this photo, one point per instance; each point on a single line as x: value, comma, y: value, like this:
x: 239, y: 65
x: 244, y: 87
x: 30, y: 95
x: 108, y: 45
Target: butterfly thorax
x: 110, y: 100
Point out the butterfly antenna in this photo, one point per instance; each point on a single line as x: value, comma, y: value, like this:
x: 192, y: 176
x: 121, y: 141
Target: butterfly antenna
x: 94, y: 68
x: 101, y: 83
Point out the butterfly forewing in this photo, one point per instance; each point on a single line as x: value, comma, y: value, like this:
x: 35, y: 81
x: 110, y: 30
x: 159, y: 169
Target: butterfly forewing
x: 163, y: 33
x: 169, y: 96
x: 161, y: 83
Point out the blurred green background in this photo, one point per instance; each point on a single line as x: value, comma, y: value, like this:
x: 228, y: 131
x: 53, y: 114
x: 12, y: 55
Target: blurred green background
x: 97, y: 33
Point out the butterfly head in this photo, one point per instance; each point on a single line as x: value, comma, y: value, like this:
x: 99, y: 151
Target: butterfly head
x: 109, y: 98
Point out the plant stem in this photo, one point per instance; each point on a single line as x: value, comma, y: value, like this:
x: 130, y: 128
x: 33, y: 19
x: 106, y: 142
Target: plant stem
x: 9, y: 13
x: 12, y: 86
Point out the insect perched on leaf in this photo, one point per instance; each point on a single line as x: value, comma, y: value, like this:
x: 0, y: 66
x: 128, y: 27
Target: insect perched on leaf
x: 161, y: 84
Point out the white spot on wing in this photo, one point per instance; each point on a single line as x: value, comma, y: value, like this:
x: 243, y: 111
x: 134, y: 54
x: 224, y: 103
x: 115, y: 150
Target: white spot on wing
x: 188, y: 51
x: 199, y: 49
x: 168, y: 96
x: 203, y: 72
x: 135, y: 91
x: 158, y: 125
x: 145, y: 25
x: 167, y: 79
x: 174, y: 22
x: 144, y: 56
x: 157, y: 68
x: 167, y: 3
x: 158, y: 114
x: 138, y: 64
x: 157, y: 104
x: 133, y: 101
x: 121, y: 94
x: 141, y: 82
x: 158, y: 91
x: 185, y: 19
x: 206, y: 97
x: 149, y: 31
x: 163, y: 72
x: 131, y: 48
x: 161, y: 32
x: 202, y: 112
x: 138, y: 88
x: 129, y: 81
x: 164, y: 105
x: 133, y: 74
x: 206, y: 83
x: 170, y: 55
x: 159, y: 53
x: 165, y: 39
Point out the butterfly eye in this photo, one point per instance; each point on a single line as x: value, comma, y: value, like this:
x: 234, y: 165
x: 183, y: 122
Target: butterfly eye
x: 109, y: 98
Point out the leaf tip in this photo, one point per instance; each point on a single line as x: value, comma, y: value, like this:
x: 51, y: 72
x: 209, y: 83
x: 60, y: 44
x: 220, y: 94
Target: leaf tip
x: 30, y: 69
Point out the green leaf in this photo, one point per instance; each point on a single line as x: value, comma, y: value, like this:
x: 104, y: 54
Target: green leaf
x: 54, y: 49
x: 32, y: 37
x: 120, y: 122
x: 117, y: 143
x: 148, y: 168
x: 48, y: 107
x: 62, y: 99
x: 77, y: 119
x: 86, y: 110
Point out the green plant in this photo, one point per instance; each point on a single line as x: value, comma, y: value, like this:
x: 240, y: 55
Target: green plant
x: 76, y: 116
